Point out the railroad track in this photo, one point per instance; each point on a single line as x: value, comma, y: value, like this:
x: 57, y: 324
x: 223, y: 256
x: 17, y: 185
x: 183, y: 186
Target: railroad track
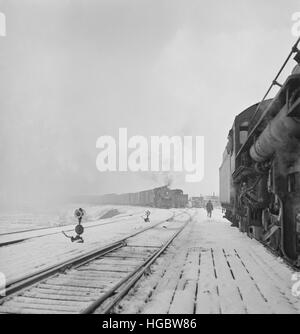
x: 54, y: 230
x: 95, y: 281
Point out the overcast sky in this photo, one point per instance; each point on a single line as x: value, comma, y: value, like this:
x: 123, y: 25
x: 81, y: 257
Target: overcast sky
x: 71, y: 71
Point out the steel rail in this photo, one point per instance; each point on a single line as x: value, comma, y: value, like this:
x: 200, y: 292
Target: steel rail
x: 130, y: 279
x: 31, y: 279
x: 68, y: 227
x: 15, y: 286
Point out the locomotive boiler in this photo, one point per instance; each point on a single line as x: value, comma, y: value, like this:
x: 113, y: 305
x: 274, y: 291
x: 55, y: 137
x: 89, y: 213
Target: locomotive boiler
x: 260, y: 171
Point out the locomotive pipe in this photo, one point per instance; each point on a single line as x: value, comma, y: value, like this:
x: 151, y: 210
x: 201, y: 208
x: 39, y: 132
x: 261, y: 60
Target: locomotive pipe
x: 277, y: 133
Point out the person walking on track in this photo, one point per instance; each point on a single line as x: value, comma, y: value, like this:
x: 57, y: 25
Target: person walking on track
x: 209, y: 208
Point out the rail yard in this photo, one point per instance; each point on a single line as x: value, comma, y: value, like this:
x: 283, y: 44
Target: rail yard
x: 156, y: 251
x: 150, y: 161
x: 177, y: 263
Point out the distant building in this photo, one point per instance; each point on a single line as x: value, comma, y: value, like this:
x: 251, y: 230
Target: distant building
x: 214, y: 199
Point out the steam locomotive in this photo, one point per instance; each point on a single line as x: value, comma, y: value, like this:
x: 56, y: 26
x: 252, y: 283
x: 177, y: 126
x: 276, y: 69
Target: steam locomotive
x: 161, y: 197
x: 260, y: 172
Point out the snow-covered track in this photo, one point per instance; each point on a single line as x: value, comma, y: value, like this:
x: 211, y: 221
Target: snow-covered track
x: 115, y: 294
x: 87, y: 282
x: 10, y: 238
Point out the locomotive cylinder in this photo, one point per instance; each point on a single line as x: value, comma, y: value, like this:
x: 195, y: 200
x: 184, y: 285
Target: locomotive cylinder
x: 277, y: 133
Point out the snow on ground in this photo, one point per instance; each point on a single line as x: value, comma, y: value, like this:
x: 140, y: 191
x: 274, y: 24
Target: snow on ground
x: 34, y: 254
x: 74, y: 290
x: 55, y: 216
x: 213, y: 268
x: 87, y: 222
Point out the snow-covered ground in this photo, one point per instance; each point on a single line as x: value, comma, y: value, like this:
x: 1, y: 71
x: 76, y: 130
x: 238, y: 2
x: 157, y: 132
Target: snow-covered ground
x: 213, y: 268
x: 34, y: 254
x: 90, y: 220
x: 59, y: 215
x: 209, y: 268
x: 74, y: 290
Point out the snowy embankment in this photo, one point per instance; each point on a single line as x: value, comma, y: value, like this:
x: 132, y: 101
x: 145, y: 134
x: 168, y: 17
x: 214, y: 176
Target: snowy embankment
x: 60, y: 216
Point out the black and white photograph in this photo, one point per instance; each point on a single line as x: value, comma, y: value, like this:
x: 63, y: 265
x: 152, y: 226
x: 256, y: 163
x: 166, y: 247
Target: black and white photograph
x: 150, y: 160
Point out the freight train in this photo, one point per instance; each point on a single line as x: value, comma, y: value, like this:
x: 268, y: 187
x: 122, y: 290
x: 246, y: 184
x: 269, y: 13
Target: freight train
x: 260, y: 172
x: 197, y: 202
x: 161, y: 197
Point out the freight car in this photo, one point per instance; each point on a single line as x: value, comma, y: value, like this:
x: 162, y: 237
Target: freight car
x: 197, y: 202
x: 161, y: 197
x: 260, y: 172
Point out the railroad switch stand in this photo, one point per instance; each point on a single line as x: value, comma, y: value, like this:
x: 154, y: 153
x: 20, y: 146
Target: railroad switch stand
x: 146, y: 218
x: 79, y: 229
